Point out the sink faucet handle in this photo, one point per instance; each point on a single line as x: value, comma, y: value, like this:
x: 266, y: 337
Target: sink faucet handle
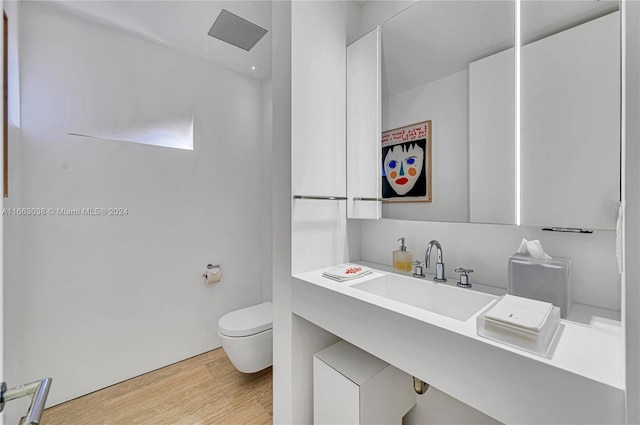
x: 464, y: 277
x: 463, y: 270
x: 419, y: 269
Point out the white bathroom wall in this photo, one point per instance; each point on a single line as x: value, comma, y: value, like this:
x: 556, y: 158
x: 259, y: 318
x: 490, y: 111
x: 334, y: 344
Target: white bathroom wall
x: 446, y: 103
x: 111, y: 297
x: 281, y: 217
x: 485, y: 248
x: 266, y: 144
x: 13, y: 291
x: 13, y: 302
x: 631, y: 193
x: 376, y: 12
x: 354, y: 19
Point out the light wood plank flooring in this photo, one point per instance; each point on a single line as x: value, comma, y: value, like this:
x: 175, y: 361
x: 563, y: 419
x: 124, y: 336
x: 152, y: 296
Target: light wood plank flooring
x: 202, y: 390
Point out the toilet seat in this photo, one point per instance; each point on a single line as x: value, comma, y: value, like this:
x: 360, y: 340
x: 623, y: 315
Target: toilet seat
x: 247, y: 321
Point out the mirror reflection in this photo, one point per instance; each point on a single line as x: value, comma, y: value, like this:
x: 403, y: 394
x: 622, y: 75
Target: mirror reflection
x: 453, y: 63
x: 570, y: 114
x: 426, y: 54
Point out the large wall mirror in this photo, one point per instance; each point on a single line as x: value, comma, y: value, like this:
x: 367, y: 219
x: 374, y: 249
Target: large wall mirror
x: 427, y: 50
x: 454, y: 63
x: 570, y: 113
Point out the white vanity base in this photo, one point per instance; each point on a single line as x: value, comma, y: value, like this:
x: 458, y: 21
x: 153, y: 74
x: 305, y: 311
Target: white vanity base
x: 579, y: 384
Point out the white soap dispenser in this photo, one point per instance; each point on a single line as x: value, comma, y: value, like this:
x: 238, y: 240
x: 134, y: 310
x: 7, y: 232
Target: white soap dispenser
x: 402, y: 259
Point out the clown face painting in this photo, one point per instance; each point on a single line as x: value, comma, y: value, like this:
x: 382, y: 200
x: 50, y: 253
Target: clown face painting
x: 406, y: 163
x: 403, y: 165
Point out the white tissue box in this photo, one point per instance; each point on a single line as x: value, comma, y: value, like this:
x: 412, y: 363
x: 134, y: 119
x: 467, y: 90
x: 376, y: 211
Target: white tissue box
x: 544, y: 280
x: 537, y: 342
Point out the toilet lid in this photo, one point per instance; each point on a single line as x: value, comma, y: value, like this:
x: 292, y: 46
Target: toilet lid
x: 247, y: 321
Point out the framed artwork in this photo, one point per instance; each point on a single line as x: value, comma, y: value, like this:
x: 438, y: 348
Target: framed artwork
x: 406, y: 163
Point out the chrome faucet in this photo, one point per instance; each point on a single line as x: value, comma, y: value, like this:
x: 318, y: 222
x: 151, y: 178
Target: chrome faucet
x: 439, y: 264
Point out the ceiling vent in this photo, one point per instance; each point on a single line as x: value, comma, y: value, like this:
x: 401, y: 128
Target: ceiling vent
x: 236, y: 30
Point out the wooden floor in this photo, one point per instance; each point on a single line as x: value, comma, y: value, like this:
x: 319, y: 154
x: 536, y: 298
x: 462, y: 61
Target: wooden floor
x: 205, y: 389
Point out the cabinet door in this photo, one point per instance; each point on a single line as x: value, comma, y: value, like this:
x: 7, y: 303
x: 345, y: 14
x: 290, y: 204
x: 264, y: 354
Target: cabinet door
x: 570, y: 127
x: 364, y: 127
x: 336, y: 399
x: 492, y: 132
x: 318, y: 98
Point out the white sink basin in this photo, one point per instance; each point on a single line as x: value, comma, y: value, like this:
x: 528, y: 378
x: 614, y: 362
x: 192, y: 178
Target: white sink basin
x: 449, y: 301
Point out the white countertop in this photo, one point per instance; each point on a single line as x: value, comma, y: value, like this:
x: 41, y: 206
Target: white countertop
x: 594, y: 351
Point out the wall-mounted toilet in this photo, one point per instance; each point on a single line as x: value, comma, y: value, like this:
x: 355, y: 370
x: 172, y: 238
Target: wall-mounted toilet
x: 247, y: 337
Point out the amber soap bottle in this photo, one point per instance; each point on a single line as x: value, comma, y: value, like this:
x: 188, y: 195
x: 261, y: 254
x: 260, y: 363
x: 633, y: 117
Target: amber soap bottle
x: 402, y: 259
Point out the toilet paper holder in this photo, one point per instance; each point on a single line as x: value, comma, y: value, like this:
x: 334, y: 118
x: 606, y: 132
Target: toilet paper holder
x: 209, y: 267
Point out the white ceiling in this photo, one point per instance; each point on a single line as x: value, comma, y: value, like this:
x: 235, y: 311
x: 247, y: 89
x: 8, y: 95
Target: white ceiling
x: 427, y: 41
x: 432, y: 39
x: 183, y: 25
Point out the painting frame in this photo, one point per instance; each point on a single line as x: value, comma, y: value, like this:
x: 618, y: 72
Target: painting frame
x: 401, y: 142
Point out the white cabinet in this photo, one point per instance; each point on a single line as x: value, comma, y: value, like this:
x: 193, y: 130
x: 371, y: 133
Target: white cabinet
x: 350, y: 386
x: 569, y: 131
x: 492, y: 134
x: 318, y: 134
x: 336, y: 398
x: 318, y: 99
x: 364, y: 127
x: 570, y: 127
